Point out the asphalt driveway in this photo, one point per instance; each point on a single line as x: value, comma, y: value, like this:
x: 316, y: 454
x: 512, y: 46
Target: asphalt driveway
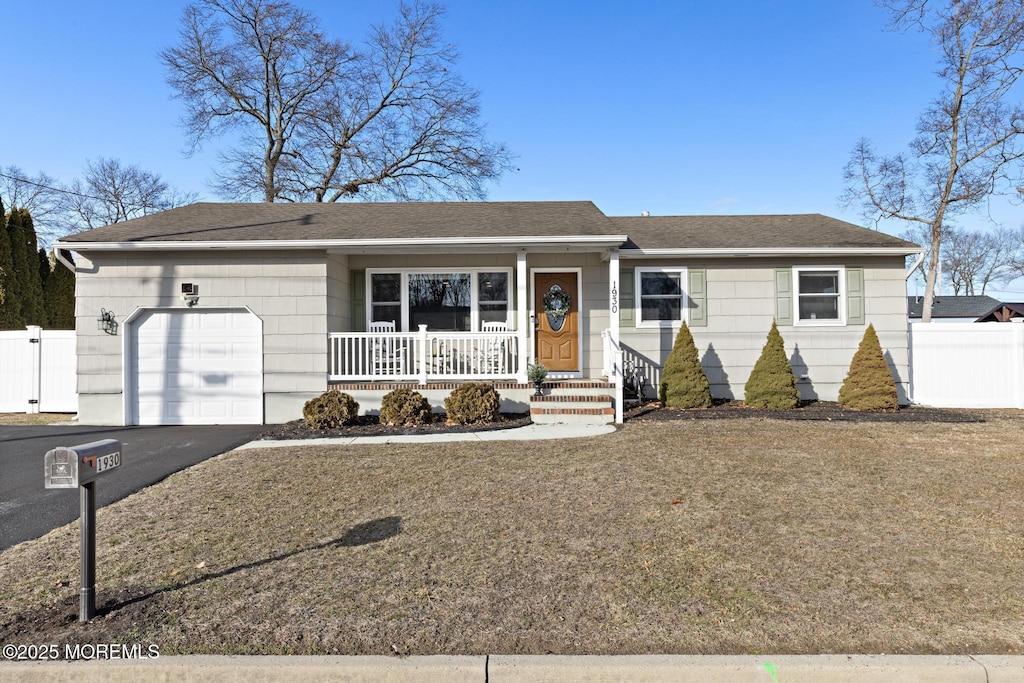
x: 149, y: 454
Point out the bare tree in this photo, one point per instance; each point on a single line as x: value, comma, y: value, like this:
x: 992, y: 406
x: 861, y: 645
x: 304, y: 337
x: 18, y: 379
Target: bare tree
x: 968, y: 139
x: 110, y: 192
x: 974, y: 258
x: 40, y: 194
x: 321, y: 121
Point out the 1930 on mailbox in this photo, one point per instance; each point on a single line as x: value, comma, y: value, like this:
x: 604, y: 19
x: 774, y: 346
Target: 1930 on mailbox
x: 72, y: 466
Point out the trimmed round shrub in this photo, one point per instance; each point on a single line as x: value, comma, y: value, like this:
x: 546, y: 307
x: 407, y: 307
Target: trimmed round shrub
x: 404, y: 407
x: 473, y: 403
x: 869, y: 384
x: 772, y: 384
x: 329, y: 410
x: 683, y: 382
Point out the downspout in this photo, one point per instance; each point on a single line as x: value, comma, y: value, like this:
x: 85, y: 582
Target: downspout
x: 917, y: 264
x: 67, y: 264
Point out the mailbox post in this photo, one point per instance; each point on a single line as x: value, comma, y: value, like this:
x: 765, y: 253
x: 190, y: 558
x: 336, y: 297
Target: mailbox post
x: 79, y: 466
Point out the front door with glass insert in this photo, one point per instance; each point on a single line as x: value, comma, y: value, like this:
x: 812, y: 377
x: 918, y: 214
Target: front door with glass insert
x: 556, y: 301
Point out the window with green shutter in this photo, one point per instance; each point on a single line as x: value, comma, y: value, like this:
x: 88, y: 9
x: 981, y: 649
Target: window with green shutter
x: 819, y: 295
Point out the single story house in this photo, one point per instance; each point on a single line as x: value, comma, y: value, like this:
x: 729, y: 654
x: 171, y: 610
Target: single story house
x: 951, y: 309
x: 217, y: 313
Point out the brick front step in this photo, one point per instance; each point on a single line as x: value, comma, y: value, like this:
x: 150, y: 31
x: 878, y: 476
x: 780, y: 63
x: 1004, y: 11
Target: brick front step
x: 567, y: 408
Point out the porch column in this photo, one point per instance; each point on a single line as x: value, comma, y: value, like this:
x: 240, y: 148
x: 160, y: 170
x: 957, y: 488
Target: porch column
x: 523, y: 316
x: 613, y: 331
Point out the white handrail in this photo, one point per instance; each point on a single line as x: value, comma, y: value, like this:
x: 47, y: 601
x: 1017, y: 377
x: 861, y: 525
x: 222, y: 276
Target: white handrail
x: 612, y: 369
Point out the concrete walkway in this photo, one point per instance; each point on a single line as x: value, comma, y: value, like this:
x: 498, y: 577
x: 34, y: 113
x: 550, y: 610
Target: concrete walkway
x: 518, y: 668
x: 531, y: 432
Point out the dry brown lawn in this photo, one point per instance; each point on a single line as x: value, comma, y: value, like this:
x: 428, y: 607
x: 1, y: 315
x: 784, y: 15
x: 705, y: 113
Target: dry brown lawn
x: 724, y: 536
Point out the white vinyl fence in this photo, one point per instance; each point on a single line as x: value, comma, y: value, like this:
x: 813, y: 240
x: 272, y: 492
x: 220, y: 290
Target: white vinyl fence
x: 37, y: 371
x: 967, y: 366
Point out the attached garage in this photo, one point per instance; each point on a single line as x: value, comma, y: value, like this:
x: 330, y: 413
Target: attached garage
x: 195, y: 366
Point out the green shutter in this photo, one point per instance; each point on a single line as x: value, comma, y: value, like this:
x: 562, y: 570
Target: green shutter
x: 627, y: 298
x: 784, y: 296
x: 358, y: 290
x: 854, y: 296
x: 698, y: 293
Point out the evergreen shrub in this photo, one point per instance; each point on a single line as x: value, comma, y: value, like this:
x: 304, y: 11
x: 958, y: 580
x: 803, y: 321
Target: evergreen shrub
x: 683, y: 381
x: 329, y: 410
x: 772, y: 384
x: 473, y: 403
x: 404, y: 407
x: 869, y: 384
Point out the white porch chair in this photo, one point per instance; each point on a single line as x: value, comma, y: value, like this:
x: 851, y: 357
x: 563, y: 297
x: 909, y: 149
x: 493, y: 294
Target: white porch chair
x: 492, y: 355
x: 387, y: 353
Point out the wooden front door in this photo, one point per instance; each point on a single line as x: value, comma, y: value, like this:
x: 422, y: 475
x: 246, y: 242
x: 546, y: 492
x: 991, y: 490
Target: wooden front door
x: 558, y: 334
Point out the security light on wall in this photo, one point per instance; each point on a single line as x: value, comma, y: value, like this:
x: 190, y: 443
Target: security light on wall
x: 190, y: 293
x: 106, y: 322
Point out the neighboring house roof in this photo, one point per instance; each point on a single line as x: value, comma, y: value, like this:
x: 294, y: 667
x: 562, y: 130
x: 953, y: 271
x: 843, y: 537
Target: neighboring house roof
x: 1003, y: 312
x: 454, y: 225
x: 952, y: 306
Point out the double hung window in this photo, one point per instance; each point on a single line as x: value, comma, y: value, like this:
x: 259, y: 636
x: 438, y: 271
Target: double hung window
x: 819, y: 296
x: 661, y: 297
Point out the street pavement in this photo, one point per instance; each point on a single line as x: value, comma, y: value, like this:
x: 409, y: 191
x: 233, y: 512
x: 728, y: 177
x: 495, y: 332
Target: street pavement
x: 149, y: 454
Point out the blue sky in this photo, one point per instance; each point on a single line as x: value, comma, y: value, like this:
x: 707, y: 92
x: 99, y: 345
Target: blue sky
x: 672, y: 107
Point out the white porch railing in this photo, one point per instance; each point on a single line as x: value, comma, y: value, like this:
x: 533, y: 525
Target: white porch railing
x: 612, y: 368
x: 422, y: 356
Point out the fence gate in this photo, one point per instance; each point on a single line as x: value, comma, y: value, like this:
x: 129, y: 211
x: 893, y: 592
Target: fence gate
x: 37, y: 371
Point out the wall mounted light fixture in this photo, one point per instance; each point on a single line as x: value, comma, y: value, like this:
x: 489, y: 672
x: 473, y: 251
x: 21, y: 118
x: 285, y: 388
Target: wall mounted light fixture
x: 106, y: 322
x: 190, y: 293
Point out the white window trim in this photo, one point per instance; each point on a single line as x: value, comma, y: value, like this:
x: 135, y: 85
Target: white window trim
x: 638, y: 290
x: 473, y: 273
x: 841, y: 273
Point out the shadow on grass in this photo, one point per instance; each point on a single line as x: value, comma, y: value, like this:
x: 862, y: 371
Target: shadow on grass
x: 366, y: 533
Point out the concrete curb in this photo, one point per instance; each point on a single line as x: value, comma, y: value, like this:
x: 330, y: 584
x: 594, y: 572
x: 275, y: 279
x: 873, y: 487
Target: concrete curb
x: 531, y: 432
x: 528, y: 668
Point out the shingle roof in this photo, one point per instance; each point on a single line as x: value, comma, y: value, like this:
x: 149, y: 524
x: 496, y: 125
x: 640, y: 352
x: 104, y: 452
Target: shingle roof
x: 356, y: 221
x: 211, y: 222
x: 801, y: 231
x: 953, y: 306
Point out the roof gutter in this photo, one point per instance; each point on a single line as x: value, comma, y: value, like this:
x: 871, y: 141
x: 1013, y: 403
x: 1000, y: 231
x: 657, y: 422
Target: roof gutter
x: 190, y: 245
x: 733, y: 252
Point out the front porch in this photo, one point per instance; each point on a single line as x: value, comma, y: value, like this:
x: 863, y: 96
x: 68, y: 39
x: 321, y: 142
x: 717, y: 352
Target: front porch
x: 425, y: 356
x: 368, y: 365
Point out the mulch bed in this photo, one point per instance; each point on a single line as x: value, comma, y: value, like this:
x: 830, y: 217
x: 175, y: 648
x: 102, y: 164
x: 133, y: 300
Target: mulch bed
x: 369, y: 425
x: 809, y: 410
x: 828, y: 411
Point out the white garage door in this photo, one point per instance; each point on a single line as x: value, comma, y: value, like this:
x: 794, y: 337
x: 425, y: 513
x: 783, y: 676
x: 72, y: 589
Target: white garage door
x: 197, y: 367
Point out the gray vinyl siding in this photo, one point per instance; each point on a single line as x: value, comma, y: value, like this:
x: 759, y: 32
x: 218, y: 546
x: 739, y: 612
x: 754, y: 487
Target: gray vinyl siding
x: 742, y: 301
x: 287, y: 292
x: 339, y: 293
